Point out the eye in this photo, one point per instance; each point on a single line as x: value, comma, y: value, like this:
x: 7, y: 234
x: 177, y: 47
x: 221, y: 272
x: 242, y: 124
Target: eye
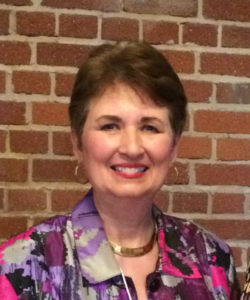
x: 150, y: 128
x: 109, y: 126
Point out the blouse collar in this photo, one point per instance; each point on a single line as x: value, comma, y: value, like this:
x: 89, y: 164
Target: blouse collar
x: 97, y: 260
x: 95, y: 255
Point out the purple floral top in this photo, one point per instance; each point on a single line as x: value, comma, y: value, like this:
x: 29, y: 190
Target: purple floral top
x: 69, y: 258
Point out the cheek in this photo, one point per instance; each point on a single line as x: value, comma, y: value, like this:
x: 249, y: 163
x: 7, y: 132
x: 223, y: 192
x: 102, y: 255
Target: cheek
x: 162, y: 150
x: 97, y: 148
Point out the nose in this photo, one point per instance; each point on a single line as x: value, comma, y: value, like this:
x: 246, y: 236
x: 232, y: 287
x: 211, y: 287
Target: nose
x: 131, y: 144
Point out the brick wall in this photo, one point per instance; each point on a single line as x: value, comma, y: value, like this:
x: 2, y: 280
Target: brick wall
x: 207, y: 41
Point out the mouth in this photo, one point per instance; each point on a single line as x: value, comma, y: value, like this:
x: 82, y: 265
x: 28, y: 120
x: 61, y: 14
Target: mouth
x: 130, y: 171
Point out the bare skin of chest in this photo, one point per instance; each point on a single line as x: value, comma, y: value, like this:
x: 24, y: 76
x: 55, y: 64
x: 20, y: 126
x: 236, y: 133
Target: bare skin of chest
x: 138, y: 268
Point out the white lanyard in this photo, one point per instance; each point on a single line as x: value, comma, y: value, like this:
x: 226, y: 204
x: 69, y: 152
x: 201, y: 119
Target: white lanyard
x: 126, y: 285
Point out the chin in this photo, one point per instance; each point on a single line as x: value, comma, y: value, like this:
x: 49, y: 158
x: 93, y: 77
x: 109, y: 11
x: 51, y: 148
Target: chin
x: 133, y: 191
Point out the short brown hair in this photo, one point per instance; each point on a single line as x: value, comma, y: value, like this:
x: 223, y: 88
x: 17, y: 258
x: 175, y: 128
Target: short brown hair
x: 138, y: 65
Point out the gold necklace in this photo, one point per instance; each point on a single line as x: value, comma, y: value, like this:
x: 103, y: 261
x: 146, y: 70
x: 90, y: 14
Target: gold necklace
x: 134, y: 252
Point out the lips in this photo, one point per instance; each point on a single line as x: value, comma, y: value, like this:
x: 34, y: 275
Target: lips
x: 130, y: 170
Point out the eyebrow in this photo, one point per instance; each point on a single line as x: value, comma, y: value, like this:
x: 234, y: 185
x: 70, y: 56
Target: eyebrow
x: 109, y: 117
x: 150, y: 119
x: 117, y: 119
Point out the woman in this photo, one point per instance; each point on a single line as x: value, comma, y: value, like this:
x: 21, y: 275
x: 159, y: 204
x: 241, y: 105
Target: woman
x: 127, y: 114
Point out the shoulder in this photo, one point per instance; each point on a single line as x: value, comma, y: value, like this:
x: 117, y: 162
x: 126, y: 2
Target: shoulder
x: 25, y: 259
x: 28, y: 248
x: 212, y: 255
x: 193, y: 233
x: 209, y: 251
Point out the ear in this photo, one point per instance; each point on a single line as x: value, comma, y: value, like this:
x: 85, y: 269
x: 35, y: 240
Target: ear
x: 76, y: 147
x: 174, y: 150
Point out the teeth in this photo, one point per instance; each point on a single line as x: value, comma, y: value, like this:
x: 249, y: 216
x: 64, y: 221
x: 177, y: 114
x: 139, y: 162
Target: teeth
x: 130, y: 170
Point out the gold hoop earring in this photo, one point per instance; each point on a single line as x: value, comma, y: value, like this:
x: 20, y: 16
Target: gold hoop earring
x: 79, y: 177
x: 177, y: 174
x: 76, y: 171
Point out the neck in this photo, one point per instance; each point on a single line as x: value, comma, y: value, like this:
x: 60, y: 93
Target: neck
x: 127, y: 221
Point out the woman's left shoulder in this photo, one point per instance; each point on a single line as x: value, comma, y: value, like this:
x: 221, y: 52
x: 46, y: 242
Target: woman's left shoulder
x: 212, y: 255
x: 193, y: 233
x: 211, y: 239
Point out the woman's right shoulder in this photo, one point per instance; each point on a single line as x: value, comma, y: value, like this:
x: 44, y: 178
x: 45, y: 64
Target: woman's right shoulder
x: 28, y: 248
x: 25, y: 259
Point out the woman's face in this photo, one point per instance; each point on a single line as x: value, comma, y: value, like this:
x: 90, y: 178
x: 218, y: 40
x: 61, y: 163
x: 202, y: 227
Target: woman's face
x: 127, y: 144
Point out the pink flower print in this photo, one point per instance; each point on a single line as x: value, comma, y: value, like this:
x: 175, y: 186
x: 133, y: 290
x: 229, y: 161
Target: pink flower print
x: 168, y: 267
x: 219, y: 279
x: 6, y: 290
x: 77, y: 234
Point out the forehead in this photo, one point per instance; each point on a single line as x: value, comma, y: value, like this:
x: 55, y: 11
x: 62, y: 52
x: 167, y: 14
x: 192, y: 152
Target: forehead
x: 122, y: 98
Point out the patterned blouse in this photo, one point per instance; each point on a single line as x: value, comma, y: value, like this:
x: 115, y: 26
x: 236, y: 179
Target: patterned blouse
x: 246, y: 290
x: 69, y: 258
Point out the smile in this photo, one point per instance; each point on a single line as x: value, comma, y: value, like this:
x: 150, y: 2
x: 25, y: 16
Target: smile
x: 129, y: 170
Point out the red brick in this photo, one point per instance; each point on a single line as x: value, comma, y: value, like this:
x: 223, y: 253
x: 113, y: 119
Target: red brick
x: 38, y: 220
x: 16, y: 2
x: 14, y: 53
x: 65, y: 200
x: 160, y: 32
x: 119, y: 29
x: 222, y: 174
x: 190, y: 202
x: 107, y: 5
x: 235, y: 36
x: 10, y: 226
x: 233, y: 93
x: 3, y: 136
x: 29, y: 141
x: 197, y: 91
x: 12, y: 113
x: 26, y: 200
x: 53, y: 170
x: 200, y: 34
x: 225, y: 64
x: 228, y: 203
x: 64, y: 84
x: 227, y: 10
x: 1, y: 198
x: 181, y: 178
x: 237, y: 252
x: 50, y: 113
x: 4, y: 22
x: 61, y: 54
x: 182, y: 61
x: 13, y: 170
x: 167, y: 7
x: 162, y: 200
x: 35, y: 23
x: 248, y: 255
x: 31, y: 82
x: 195, y: 147
x: 2, y: 82
x: 62, y: 143
x: 233, y: 149
x: 222, y: 121
x: 78, y: 26
x: 228, y: 229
